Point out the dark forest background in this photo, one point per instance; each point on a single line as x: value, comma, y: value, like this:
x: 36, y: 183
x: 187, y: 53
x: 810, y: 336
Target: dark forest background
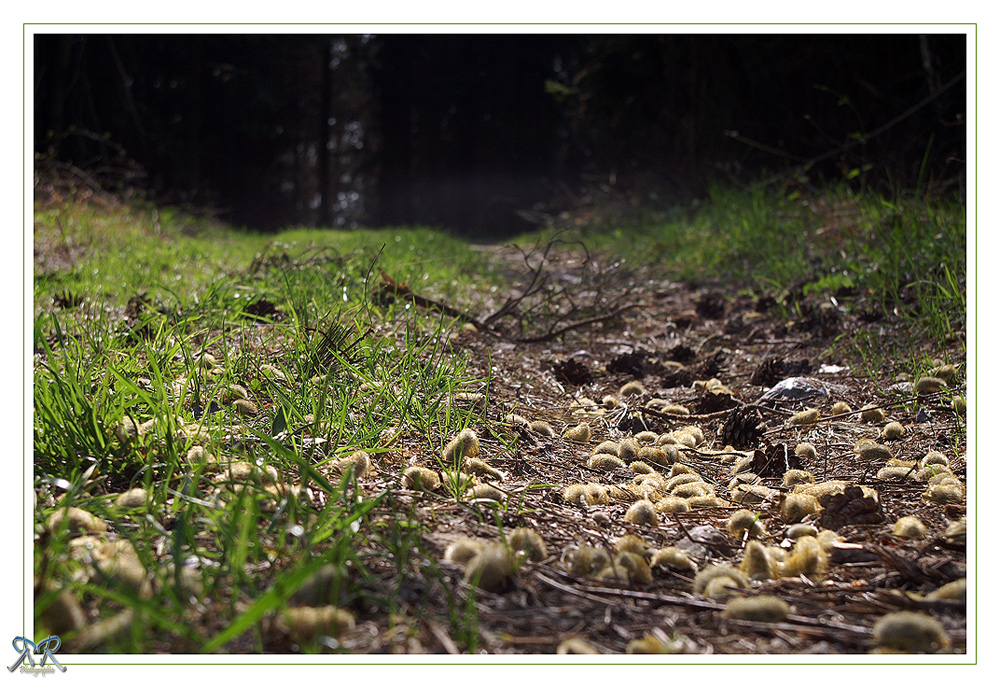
x: 491, y: 134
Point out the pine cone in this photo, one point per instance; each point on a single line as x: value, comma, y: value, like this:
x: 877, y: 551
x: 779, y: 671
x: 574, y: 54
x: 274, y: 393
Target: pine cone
x: 742, y: 428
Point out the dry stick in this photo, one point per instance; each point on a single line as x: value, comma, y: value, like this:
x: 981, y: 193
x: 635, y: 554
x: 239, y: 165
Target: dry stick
x: 578, y: 324
x: 391, y: 286
x: 688, y: 602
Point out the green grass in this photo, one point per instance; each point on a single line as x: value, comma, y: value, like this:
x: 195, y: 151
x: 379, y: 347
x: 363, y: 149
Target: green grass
x: 149, y: 316
x: 903, y: 259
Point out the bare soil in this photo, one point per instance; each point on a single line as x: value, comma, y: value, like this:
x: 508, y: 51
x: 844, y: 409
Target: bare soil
x: 677, y: 334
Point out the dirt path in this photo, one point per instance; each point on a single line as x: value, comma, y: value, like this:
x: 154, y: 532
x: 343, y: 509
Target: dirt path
x: 675, y: 339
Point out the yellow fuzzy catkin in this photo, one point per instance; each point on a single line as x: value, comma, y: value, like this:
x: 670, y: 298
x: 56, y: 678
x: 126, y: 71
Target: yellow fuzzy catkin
x: 840, y: 408
x: 896, y: 473
x: 518, y: 421
x: 652, y: 644
x: 609, y: 401
x: 642, y: 513
x: 645, y: 438
x: 528, y: 541
x: 486, y: 491
x: 481, y: 468
x: 956, y: 531
x: 706, y: 501
x: 462, y: 445
x: 681, y: 479
x: 810, y: 416
x: 585, y: 560
x: 579, y: 433
x: 828, y: 539
x: 872, y: 414
x: 673, y: 505
x: 948, y: 373
x: 490, y: 568
x: 575, y: 646
x: 935, y: 458
x: 462, y: 551
x: 421, y: 478
x: 632, y: 389
x: 672, y: 558
x: 132, y: 499
x: 604, y: 462
x: 540, y: 427
x: 658, y: 456
x: 752, y: 494
x: 929, y: 385
x: 758, y: 564
x: 910, y: 528
x: 606, y: 447
x: 720, y: 588
x: 305, y: 623
x: 956, y: 591
x: 944, y: 493
x: 724, y: 572
x: 696, y: 433
x: 78, y: 521
x: 357, y: 464
x: 690, y: 490
x: 636, y: 567
x: 641, y: 467
x: 245, y: 407
x: 745, y: 521
x: 808, y: 558
x: 747, y: 478
x: 934, y: 474
x: 819, y: 490
x: 805, y: 450
x: 628, y: 449
x: 797, y: 476
x: 587, y: 495
x: 763, y: 608
x: 797, y: 530
x: 686, y: 439
x: 910, y: 632
x: 632, y: 543
x: 795, y: 507
x: 893, y: 431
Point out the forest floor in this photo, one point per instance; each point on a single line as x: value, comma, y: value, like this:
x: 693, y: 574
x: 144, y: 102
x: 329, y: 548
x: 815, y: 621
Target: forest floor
x: 676, y: 337
x: 673, y: 372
